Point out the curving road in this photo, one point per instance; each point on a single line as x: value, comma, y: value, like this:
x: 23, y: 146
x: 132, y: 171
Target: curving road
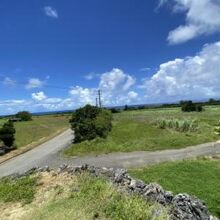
x: 47, y: 154
x: 38, y: 156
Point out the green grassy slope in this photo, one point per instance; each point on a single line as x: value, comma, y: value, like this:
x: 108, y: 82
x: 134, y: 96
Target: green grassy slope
x: 135, y: 131
x: 195, y: 177
x: 40, y: 127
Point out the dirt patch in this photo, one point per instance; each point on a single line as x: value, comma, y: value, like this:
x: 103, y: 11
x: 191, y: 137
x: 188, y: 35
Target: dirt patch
x: 50, y: 186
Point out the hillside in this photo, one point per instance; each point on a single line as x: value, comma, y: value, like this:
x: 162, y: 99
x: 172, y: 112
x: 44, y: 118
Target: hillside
x: 91, y: 193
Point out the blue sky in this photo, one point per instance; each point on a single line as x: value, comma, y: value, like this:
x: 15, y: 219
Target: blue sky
x: 55, y: 55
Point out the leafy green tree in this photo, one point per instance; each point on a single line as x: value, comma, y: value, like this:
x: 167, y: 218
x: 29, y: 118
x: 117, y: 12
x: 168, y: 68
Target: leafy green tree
x: 24, y: 116
x: 114, y: 110
x: 7, y: 134
x: 90, y: 122
x: 126, y: 108
x: 189, y: 106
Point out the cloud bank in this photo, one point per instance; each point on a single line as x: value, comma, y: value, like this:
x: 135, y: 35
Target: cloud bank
x: 202, y: 18
x: 193, y: 77
x: 196, y: 77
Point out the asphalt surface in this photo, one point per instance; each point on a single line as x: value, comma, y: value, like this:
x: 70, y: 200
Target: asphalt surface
x: 38, y: 156
x: 48, y: 154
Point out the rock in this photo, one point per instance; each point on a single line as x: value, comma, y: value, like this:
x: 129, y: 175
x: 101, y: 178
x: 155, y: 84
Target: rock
x: 70, y: 170
x: 133, y: 184
x: 2, y: 151
x: 44, y: 169
x: 168, y: 196
x: 119, y: 175
x: 32, y: 171
x: 185, y: 207
x: 154, y: 192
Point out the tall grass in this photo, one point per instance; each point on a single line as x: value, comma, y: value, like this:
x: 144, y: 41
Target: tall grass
x: 178, y: 125
x: 217, y: 129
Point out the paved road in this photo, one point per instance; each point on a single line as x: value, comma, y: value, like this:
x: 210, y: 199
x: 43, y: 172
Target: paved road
x: 47, y: 154
x: 37, y: 156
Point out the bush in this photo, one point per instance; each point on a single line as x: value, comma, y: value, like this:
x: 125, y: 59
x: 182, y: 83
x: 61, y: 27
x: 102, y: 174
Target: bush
x: 189, y: 106
x: 7, y: 133
x: 90, y: 122
x: 178, y: 125
x: 114, y: 110
x: 24, y: 116
x: 217, y: 129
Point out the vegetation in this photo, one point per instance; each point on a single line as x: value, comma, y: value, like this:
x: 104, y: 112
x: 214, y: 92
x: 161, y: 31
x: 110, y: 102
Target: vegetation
x: 217, y: 129
x: 90, y: 122
x: 178, y: 125
x: 94, y: 198
x: 115, y: 110
x: 195, y: 177
x: 7, y: 133
x: 39, y: 129
x: 189, y: 106
x: 18, y: 190
x: 136, y: 131
x: 24, y: 116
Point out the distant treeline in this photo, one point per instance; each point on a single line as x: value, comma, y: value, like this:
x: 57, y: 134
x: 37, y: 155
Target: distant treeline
x: 131, y: 107
x: 165, y: 105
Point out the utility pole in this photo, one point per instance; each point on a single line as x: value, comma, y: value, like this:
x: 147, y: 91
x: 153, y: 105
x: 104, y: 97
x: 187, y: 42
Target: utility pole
x: 96, y: 101
x: 99, y: 98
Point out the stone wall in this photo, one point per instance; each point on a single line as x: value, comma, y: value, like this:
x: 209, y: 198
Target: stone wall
x: 181, y: 206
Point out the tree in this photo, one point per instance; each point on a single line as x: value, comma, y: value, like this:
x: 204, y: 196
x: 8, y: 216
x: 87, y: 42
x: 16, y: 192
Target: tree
x: 114, y: 110
x: 7, y: 133
x: 24, y: 116
x: 189, y: 106
x: 90, y: 122
x: 126, y: 108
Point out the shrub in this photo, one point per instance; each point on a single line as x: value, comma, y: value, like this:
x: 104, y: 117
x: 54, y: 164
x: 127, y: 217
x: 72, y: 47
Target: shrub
x: 114, y: 110
x: 24, y: 116
x: 7, y: 133
x: 126, y: 108
x: 217, y: 129
x: 189, y: 106
x: 178, y: 125
x: 90, y: 122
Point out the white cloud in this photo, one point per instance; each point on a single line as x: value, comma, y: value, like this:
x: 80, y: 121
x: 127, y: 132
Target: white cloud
x: 116, y: 80
x: 38, y: 96
x: 34, y: 83
x: 50, y: 12
x: 132, y: 95
x: 114, y: 86
x: 9, y: 82
x: 195, y: 77
x: 145, y: 69
x: 202, y: 18
x: 13, y: 106
x: 91, y: 76
x: 82, y: 96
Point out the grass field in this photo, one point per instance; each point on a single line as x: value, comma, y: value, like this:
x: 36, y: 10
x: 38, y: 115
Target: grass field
x: 195, y: 177
x: 40, y: 127
x: 136, y: 131
x: 21, y: 190
x: 76, y: 197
